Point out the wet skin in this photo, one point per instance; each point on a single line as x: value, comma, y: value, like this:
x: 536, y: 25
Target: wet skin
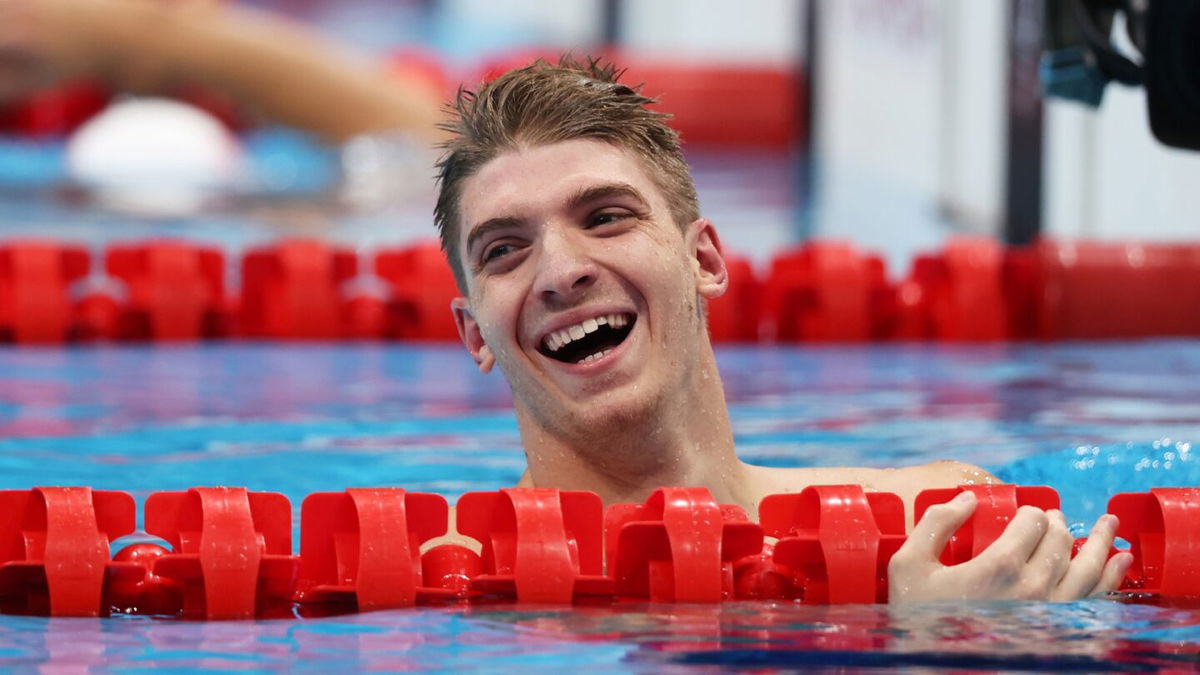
x: 556, y: 235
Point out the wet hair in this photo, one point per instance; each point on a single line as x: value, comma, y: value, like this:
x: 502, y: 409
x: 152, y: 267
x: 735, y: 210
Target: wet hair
x: 545, y: 103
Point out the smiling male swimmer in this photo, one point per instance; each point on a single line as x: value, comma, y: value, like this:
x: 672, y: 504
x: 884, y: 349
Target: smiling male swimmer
x: 571, y: 222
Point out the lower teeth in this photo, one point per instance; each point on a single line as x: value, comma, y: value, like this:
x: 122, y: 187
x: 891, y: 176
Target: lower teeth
x: 593, y: 357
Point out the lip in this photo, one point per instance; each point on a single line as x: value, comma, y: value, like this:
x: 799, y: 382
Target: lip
x: 576, y: 316
x: 596, y: 365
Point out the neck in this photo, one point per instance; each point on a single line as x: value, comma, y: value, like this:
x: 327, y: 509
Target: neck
x: 685, y: 441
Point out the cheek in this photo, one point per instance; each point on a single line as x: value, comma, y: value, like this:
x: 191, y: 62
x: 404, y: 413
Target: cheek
x: 662, y: 268
x: 499, y: 309
x: 648, y: 252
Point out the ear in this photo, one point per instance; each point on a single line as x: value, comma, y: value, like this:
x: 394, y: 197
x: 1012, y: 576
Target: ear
x: 712, y: 278
x: 468, y: 331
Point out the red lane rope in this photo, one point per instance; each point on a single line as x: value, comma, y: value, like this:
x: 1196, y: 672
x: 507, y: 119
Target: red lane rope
x: 230, y: 554
x: 974, y: 289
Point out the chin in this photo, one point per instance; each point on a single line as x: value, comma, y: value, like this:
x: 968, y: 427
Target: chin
x: 617, y: 413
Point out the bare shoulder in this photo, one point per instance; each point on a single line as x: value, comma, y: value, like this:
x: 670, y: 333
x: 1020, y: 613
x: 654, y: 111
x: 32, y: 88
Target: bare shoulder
x: 939, y: 474
x: 945, y: 473
x: 906, y: 482
x: 910, y: 481
x: 948, y: 473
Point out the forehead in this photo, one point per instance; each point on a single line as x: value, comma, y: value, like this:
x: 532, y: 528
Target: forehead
x: 528, y: 181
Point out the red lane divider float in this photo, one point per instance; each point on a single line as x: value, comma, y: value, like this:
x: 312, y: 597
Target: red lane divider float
x: 422, y: 287
x: 35, y: 281
x: 176, y: 291
x: 957, y: 294
x: 679, y: 546
x: 760, y: 106
x: 54, y: 112
x: 541, y: 545
x: 290, y: 290
x: 837, y: 539
x: 1090, y: 290
x: 54, y: 556
x: 231, y: 550
x: 363, y: 546
x: 1163, y: 528
x: 229, y: 554
x: 824, y: 291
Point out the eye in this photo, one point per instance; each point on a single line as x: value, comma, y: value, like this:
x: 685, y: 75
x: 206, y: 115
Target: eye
x: 497, y: 251
x: 607, y: 217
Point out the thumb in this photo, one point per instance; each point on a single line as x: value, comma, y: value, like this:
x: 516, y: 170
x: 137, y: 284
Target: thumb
x: 928, y: 539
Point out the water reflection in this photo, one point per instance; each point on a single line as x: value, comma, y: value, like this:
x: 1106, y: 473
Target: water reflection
x: 1091, y: 636
x: 1094, y: 635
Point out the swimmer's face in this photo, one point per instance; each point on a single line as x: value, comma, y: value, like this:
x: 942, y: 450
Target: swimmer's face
x: 580, y: 284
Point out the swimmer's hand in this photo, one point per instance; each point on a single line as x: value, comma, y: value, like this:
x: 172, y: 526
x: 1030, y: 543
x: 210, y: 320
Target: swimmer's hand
x: 1031, y: 560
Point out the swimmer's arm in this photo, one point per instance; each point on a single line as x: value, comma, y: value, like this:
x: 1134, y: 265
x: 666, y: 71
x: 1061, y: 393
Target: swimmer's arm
x: 287, y: 72
x: 1031, y: 560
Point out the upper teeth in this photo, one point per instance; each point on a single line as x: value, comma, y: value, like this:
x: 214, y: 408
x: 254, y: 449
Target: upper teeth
x: 564, y: 336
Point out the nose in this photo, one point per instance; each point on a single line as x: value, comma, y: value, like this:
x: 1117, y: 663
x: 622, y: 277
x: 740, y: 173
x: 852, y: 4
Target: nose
x: 565, y: 271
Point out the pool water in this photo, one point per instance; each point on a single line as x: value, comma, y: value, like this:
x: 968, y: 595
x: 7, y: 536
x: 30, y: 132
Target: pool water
x: 1090, y: 420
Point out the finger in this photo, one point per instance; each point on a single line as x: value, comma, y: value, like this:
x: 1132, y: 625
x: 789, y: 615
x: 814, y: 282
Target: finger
x: 929, y: 537
x: 1114, y: 573
x: 1051, y: 559
x: 1020, y: 539
x: 1090, y: 563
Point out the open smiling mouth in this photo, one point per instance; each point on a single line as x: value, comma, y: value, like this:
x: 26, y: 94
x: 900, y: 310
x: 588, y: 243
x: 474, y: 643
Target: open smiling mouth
x: 588, y: 340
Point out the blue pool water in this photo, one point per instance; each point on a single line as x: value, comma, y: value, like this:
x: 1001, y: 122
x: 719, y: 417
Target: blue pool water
x: 1090, y: 420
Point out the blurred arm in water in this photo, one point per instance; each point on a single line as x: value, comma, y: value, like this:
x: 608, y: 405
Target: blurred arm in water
x: 278, y: 68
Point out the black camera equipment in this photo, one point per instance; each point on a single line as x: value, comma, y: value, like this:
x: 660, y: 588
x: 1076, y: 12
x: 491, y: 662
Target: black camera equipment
x: 1081, y: 60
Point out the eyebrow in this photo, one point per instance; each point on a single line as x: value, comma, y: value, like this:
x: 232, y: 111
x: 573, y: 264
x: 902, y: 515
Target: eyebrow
x: 490, y: 225
x: 598, y: 192
x: 581, y: 198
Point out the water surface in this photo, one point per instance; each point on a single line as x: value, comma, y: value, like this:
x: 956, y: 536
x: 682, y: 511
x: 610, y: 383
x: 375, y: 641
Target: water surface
x: 1090, y: 420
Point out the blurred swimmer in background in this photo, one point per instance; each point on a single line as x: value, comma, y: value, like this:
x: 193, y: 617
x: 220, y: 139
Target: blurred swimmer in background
x: 278, y: 68
x: 151, y: 156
